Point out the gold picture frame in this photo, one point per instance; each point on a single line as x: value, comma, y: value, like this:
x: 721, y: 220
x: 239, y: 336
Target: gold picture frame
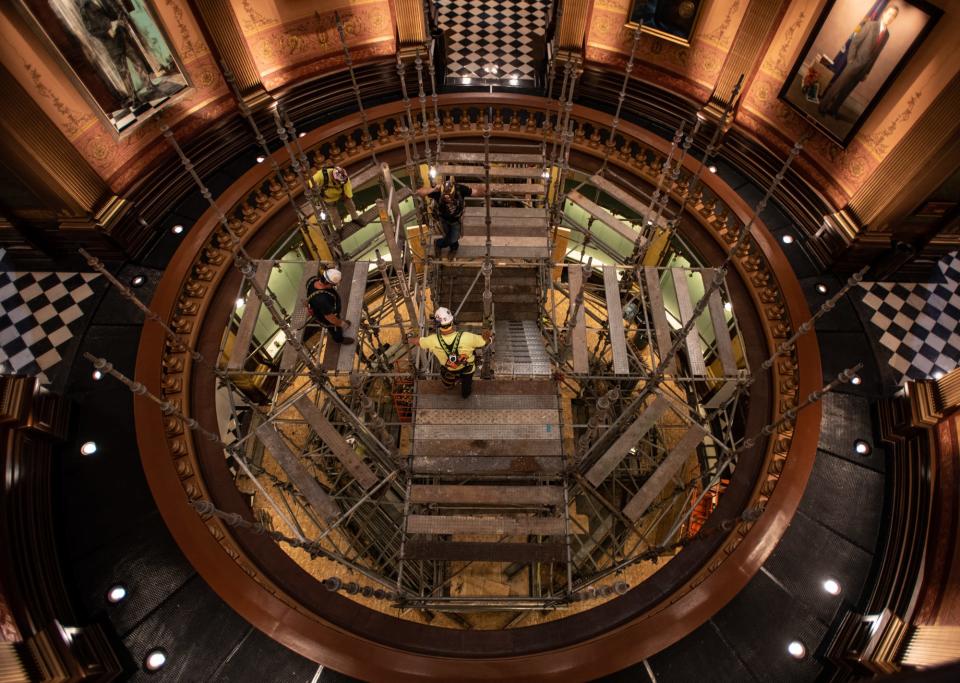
x: 671, y: 20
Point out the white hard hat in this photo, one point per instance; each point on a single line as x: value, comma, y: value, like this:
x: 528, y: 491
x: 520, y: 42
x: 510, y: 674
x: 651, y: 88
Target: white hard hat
x: 443, y: 316
x: 332, y: 276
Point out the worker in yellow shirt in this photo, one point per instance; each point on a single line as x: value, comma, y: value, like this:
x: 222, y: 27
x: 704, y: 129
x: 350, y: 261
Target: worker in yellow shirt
x: 455, y: 351
x: 334, y: 185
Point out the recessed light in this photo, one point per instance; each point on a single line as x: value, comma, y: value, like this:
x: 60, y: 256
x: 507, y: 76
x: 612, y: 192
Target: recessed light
x: 861, y: 447
x: 797, y: 649
x: 728, y: 306
x: 303, y: 134
x: 787, y: 239
x: 822, y: 288
x: 137, y: 281
x: 97, y: 375
x: 712, y: 168
x: 88, y: 448
x: 261, y: 158
x: 240, y: 302
x: 177, y: 229
x: 467, y: 80
x: 155, y: 660
x: 116, y: 593
x: 938, y: 374
x: 856, y: 379
x: 831, y: 586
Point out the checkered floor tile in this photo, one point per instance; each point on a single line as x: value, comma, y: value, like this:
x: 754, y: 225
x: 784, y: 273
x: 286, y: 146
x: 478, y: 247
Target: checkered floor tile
x: 919, y: 323
x: 492, y: 42
x: 38, y: 316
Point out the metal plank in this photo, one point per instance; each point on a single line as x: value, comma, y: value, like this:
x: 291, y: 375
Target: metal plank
x: 496, y: 158
x: 509, y: 188
x: 487, y: 447
x: 298, y: 475
x: 722, y: 396
x: 653, y: 486
x: 497, y: 251
x: 456, y: 416
x: 504, y: 241
x: 331, y: 350
x: 504, y: 212
x: 721, y: 331
x: 457, y: 551
x: 661, y: 327
x: 618, y: 339
x: 604, y: 216
x: 364, y: 175
x: 621, y: 195
x: 581, y: 362
x: 248, y: 322
x: 358, y: 287
x: 694, y: 350
x: 487, y: 387
x: 489, y: 402
x: 501, y: 526
x: 593, y: 539
x: 486, y: 495
x: 299, y: 317
x: 548, y: 431
x: 336, y: 443
x: 488, y: 466
x: 477, y: 170
x: 631, y: 436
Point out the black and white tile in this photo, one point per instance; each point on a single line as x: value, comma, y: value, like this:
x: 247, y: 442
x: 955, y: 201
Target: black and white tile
x: 919, y: 323
x: 492, y: 42
x: 39, y: 315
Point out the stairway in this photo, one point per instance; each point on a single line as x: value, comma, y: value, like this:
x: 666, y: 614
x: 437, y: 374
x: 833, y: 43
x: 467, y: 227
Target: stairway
x: 519, y: 350
x: 518, y: 227
x: 486, y: 474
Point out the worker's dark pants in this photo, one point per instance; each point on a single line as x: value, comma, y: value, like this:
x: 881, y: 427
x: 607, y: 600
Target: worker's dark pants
x: 335, y: 332
x: 464, y: 376
x: 451, y: 236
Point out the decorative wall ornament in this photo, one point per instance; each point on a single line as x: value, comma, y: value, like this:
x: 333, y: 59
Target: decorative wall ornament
x: 854, y: 53
x: 878, y: 141
x: 116, y: 52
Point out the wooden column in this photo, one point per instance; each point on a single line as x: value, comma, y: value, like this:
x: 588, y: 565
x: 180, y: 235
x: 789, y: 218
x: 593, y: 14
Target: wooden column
x: 571, y: 28
x: 412, y: 33
x: 748, y: 47
x: 226, y: 40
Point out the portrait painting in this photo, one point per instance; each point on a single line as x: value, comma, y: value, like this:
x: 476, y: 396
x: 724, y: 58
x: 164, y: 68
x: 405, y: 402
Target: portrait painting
x: 115, y: 51
x: 853, y: 55
x: 673, y: 20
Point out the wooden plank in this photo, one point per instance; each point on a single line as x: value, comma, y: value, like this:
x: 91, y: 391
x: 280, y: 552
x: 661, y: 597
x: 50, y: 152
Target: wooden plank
x: 629, y: 439
x: 694, y: 350
x: 477, y: 170
x: 722, y: 396
x: 364, y: 176
x: 486, y: 495
x: 298, y: 475
x: 497, y: 251
x: 248, y: 322
x: 661, y: 327
x: 501, y: 526
x: 498, y: 229
x: 300, y: 315
x: 490, y: 466
x: 578, y: 339
x: 593, y: 539
x: 504, y: 241
x: 494, y: 158
x: 331, y: 350
x: 653, y: 486
x: 721, y: 331
x: 618, y: 339
x: 458, y: 551
x: 487, y: 447
x: 342, y: 451
x: 604, y: 216
x: 621, y: 195
x: 508, y: 188
x: 354, y: 305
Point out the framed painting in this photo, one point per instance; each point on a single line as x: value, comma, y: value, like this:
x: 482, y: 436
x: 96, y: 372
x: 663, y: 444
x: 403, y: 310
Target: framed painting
x: 673, y: 20
x: 853, y: 55
x: 115, y: 51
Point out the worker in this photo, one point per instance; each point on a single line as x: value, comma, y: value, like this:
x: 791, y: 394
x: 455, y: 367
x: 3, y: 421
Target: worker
x: 334, y: 185
x: 455, y: 351
x: 324, y: 302
x: 448, y: 205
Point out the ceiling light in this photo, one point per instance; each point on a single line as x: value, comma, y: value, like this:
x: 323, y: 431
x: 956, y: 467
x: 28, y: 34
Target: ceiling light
x: 787, y: 239
x: 822, y: 288
x: 831, y: 586
x: 88, y: 448
x: 303, y: 134
x: 261, y: 158
x: 545, y: 175
x: 856, y: 379
x: 137, y: 281
x: 728, y: 306
x: 467, y: 80
x: 155, y: 660
x: 240, y: 302
x: 97, y: 375
x: 861, y: 447
x: 712, y: 168
x: 116, y: 593
x: 514, y: 80
x: 938, y: 374
x: 433, y: 171
x: 177, y: 229
x: 797, y: 649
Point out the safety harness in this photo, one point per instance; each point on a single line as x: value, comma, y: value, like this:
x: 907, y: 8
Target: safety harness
x: 451, y: 349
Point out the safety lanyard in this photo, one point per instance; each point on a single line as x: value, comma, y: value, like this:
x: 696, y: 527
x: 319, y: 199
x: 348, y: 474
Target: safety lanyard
x: 450, y: 350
